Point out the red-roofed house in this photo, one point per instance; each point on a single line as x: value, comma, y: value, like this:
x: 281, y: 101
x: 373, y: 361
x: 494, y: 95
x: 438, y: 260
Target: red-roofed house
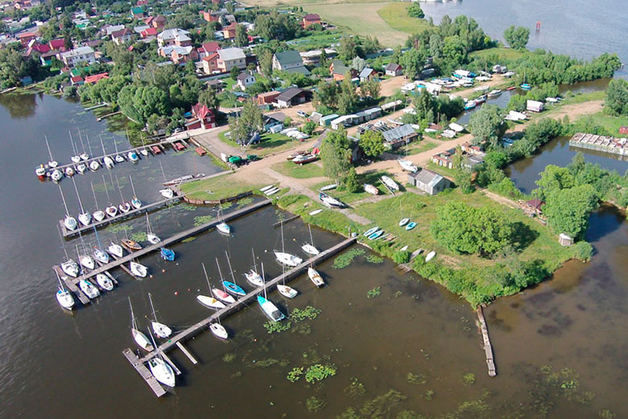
x: 35, y: 46
x: 142, y: 3
x: 310, y: 19
x: 210, y: 63
x: 535, y: 205
x: 26, y: 37
x: 96, y: 77
x: 77, y: 80
x: 157, y: 22
x: 57, y: 44
x: 229, y: 32
x: 148, y: 32
x: 208, y: 48
x: 208, y: 16
x: 202, y: 117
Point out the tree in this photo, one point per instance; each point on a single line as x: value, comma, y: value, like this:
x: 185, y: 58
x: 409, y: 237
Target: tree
x: 517, y: 38
x: 249, y: 122
x: 336, y: 155
x: 326, y: 94
x: 234, y: 73
x: 350, y: 182
x: 372, y: 143
x: 140, y: 102
x: 553, y: 178
x: 241, y: 38
x: 370, y: 88
x: 266, y: 62
x: 412, y: 62
x: 347, y: 49
x: 487, y: 125
x: 568, y: 210
x: 462, y: 228
x: 617, y: 97
x: 415, y: 11
x: 209, y: 98
x: 347, y: 97
x: 309, y: 127
x: 358, y: 63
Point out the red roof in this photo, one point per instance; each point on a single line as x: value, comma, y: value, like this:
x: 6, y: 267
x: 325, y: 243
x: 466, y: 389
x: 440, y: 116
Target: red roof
x: 210, y: 47
x: 41, y: 48
x: 121, y: 32
x: 27, y: 35
x: 201, y: 111
x: 231, y: 27
x: 76, y: 79
x: 535, y: 203
x: 312, y: 17
x: 96, y: 77
x: 56, y: 43
x: 149, y: 32
x: 210, y: 57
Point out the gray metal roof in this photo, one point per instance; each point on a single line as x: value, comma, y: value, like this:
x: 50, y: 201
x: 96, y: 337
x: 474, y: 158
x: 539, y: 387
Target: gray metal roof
x: 427, y: 177
x: 400, y: 132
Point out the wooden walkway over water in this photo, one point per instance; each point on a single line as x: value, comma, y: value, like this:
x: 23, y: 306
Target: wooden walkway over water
x: 121, y: 216
x: 72, y: 283
x: 486, y: 340
x: 245, y: 301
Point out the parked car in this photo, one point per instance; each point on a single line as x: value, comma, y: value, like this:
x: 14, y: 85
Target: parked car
x: 302, y: 114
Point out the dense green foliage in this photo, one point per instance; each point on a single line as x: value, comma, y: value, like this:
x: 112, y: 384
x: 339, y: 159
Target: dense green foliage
x: 487, y: 126
x: 518, y: 37
x: 462, y: 228
x: 372, y: 143
x: 617, y: 97
x: 247, y: 124
x: 336, y: 155
x: 414, y: 10
x: 568, y: 209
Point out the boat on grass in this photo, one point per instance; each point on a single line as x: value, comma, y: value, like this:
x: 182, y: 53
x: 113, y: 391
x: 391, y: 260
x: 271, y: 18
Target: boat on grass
x: 408, y: 166
x: 391, y: 184
x: 330, y: 201
x: 316, y: 212
x: 410, y: 226
x: 329, y: 187
x: 376, y: 235
x: 370, y: 231
x: 371, y: 189
x: 430, y: 256
x: 403, y: 222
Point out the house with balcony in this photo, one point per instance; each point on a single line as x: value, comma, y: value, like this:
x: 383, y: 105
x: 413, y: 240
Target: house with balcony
x: 84, y: 55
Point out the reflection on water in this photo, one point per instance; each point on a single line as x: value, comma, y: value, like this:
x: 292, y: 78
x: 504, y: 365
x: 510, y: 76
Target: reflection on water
x: 19, y: 106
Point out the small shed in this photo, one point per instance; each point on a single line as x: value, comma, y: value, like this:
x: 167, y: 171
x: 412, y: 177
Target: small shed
x: 535, y: 106
x: 428, y: 181
x: 535, y: 205
x: 325, y: 121
x: 268, y: 97
x: 393, y: 69
x: 400, y: 135
x: 565, y: 240
x: 292, y: 96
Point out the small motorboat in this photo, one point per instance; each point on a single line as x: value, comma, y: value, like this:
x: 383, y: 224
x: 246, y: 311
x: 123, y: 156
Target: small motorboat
x: 69, y: 171
x: 167, y: 254
x: 65, y: 299
x: 89, y: 289
x: 223, y: 296
x: 161, y: 330
x: 376, y: 234
x: 330, y: 201
x: 99, y: 215
x: 84, y: 156
x: 119, y: 158
x: 316, y: 212
x: 315, y: 277
x: 224, y: 228
x: 87, y: 261
x: 40, y: 171
x: 104, y: 281
x: 480, y: 100
x: 233, y: 288
x: 391, y: 184
x: 152, y: 238
x: 109, y: 163
x: 410, y: 226
x: 288, y: 259
x: 124, y: 207
x: 218, y: 330
x: 141, y: 340
x: 470, y: 105
x: 115, y: 249
x: 94, y: 165
x: 70, y: 222
x: 56, y: 175
x: 162, y: 371
x: 75, y: 159
x: 525, y: 86
x: 81, y: 168
x: 167, y: 193
x: 144, y: 152
x: 71, y: 268
x: 136, y: 203
x: 371, y: 189
x: 210, y: 302
x: 138, y: 269
x: 85, y: 218
x: 271, y: 310
x: 329, y: 187
x: 131, y: 245
x: 430, y: 256
x: 403, y: 222
x: 111, y: 211
x: 133, y: 157
x: 254, y: 278
x: 309, y: 249
x: 101, y: 256
x: 494, y: 93
x: 53, y: 164
x: 408, y: 166
x: 287, y: 291
x: 304, y: 158
x: 370, y: 231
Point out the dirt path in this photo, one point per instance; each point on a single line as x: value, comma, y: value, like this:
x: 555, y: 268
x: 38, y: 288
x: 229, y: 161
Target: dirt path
x: 390, y: 86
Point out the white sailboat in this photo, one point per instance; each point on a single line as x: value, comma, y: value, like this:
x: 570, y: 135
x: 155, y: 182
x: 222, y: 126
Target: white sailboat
x: 219, y: 331
x: 408, y: 166
x: 98, y: 215
x: 207, y: 301
x: 150, y: 236
x: 139, y: 337
x: 108, y: 161
x: 69, y: 171
x: 220, y: 294
x: 104, y: 281
x: 71, y: 268
x: 167, y: 193
x: 309, y: 248
x: 160, y: 329
x: 124, y: 207
x: 315, y: 277
x: 75, y: 158
x: 84, y: 217
x: 119, y: 158
x: 252, y: 276
x: 89, y: 289
x: 391, y: 184
x: 64, y: 297
x: 69, y: 222
x: 52, y: 163
x: 56, y: 175
x: 269, y: 309
x: 116, y: 250
x: 285, y: 290
x: 101, y: 256
x: 94, y: 165
x: 84, y: 156
x: 138, y: 269
x: 286, y: 258
x: 81, y: 168
x: 161, y: 370
x: 136, y: 203
x: 85, y: 260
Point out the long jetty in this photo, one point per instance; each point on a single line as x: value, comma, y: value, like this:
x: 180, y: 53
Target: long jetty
x: 177, y: 341
x: 121, y: 216
x: 486, y: 340
x: 72, y: 283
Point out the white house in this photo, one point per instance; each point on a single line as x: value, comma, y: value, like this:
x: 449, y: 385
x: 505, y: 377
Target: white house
x: 174, y: 36
x: 231, y: 57
x: 245, y: 79
x: 78, y: 55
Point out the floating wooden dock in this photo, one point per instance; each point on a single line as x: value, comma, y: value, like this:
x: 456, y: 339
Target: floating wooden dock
x: 144, y: 373
x: 488, y: 348
x: 72, y: 283
x: 121, y: 216
x: 245, y: 301
x: 610, y: 145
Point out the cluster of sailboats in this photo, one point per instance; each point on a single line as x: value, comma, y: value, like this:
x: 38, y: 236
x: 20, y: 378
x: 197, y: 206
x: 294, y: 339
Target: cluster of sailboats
x: 82, y: 162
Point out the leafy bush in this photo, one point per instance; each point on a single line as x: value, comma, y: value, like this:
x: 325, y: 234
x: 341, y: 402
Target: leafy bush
x: 402, y: 256
x: 582, y: 251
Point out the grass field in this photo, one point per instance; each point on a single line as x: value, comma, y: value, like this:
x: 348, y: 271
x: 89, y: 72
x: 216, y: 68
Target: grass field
x: 501, y: 52
x: 217, y: 188
x: 296, y: 171
x: 610, y: 123
x: 396, y: 16
x: 271, y: 143
x: 349, y: 197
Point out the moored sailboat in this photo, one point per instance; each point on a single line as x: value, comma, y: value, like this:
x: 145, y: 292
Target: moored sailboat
x: 104, y: 281
x: 64, y: 297
x: 138, y: 269
x: 315, y: 277
x: 207, y: 301
x: 160, y: 329
x: 89, y: 289
x: 139, y: 337
x: 269, y: 309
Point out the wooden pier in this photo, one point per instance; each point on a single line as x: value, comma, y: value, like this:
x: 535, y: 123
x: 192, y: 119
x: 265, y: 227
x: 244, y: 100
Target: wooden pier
x: 72, y: 283
x: 121, y: 216
x: 488, y: 348
x: 144, y: 373
x: 245, y: 301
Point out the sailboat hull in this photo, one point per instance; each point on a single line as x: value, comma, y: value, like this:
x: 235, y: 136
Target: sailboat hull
x: 141, y: 340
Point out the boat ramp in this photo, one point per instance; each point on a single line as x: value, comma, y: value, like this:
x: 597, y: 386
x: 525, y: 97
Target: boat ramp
x: 72, y: 283
x: 221, y: 314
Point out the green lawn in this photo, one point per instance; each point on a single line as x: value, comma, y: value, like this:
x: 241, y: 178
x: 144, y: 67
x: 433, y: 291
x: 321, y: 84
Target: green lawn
x: 415, y: 148
x: 610, y: 123
x: 584, y: 97
x: 331, y: 220
x: 502, y: 52
x: 296, y: 171
x: 270, y: 144
x: 218, y: 188
x: 349, y: 197
x: 396, y: 15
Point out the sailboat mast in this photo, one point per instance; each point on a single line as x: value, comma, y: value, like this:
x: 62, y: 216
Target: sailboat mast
x: 162, y: 170
x: 74, y: 150
x: 264, y: 279
x: 152, y: 307
x: 119, y: 190
x: 48, y: 146
x: 94, y: 193
x: 104, y: 153
x: 81, y: 140
x: 207, y: 278
x: 106, y: 188
x: 78, y: 196
x: 133, y: 326
x: 229, y: 263
x: 254, y: 262
x: 91, y: 153
x: 63, y: 199
x: 132, y: 186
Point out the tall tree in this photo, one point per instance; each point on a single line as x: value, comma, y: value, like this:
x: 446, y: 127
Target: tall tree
x: 487, y: 125
x: 347, y: 49
x: 568, y: 210
x: 617, y: 97
x: 247, y: 123
x: 412, y: 62
x: 266, y: 62
x: 370, y: 88
x: 347, y: 97
x: 517, y: 37
x: 241, y: 37
x: 553, y: 178
x: 372, y: 143
x: 209, y: 98
x: 336, y: 155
